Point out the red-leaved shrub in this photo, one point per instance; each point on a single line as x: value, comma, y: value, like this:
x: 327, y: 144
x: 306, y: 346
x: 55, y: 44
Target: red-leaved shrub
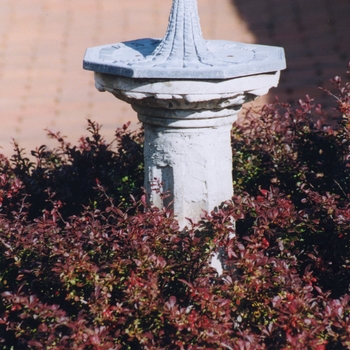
x: 84, y: 265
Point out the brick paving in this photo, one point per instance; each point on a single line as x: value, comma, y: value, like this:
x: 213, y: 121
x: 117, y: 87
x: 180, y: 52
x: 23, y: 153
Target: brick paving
x: 42, y: 44
x: 315, y: 36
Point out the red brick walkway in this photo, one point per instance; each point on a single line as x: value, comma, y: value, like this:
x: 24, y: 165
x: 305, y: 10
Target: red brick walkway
x: 42, y: 44
x: 315, y: 36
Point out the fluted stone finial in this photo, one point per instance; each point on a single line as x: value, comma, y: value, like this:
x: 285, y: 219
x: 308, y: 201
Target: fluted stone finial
x: 183, y: 53
x: 183, y: 45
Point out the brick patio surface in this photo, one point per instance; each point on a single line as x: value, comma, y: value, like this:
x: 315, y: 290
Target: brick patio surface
x: 42, y: 44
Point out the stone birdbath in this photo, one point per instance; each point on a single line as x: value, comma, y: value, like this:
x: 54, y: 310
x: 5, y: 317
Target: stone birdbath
x: 187, y: 92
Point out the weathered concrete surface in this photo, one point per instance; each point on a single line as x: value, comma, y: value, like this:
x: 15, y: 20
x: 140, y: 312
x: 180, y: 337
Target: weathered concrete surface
x: 187, y: 92
x: 187, y: 143
x: 223, y: 59
x: 183, y: 53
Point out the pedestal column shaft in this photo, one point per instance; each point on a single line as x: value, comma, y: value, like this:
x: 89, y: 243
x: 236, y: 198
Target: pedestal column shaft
x: 194, y: 166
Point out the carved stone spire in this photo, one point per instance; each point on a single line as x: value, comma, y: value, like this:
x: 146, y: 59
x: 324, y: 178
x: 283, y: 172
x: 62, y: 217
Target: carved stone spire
x: 183, y: 44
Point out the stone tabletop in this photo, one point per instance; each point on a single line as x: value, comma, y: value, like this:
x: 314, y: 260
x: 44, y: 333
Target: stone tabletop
x: 223, y: 60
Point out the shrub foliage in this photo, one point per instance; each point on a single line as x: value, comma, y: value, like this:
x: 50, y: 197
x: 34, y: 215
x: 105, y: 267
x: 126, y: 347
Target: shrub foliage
x: 86, y: 264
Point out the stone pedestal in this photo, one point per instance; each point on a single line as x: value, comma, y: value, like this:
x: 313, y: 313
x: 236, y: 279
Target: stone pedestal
x: 187, y: 92
x: 187, y: 127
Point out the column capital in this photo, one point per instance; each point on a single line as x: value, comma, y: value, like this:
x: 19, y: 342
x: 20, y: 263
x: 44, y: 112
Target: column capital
x: 184, y: 103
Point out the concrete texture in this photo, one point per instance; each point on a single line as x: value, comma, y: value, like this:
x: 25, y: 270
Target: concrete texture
x: 42, y: 44
x: 183, y: 53
x: 187, y: 143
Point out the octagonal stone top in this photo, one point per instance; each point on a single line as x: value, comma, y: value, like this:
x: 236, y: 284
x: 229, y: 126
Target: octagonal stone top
x: 183, y: 53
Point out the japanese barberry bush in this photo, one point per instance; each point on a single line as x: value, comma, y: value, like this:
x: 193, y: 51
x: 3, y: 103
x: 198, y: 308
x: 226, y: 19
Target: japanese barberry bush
x: 86, y: 263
